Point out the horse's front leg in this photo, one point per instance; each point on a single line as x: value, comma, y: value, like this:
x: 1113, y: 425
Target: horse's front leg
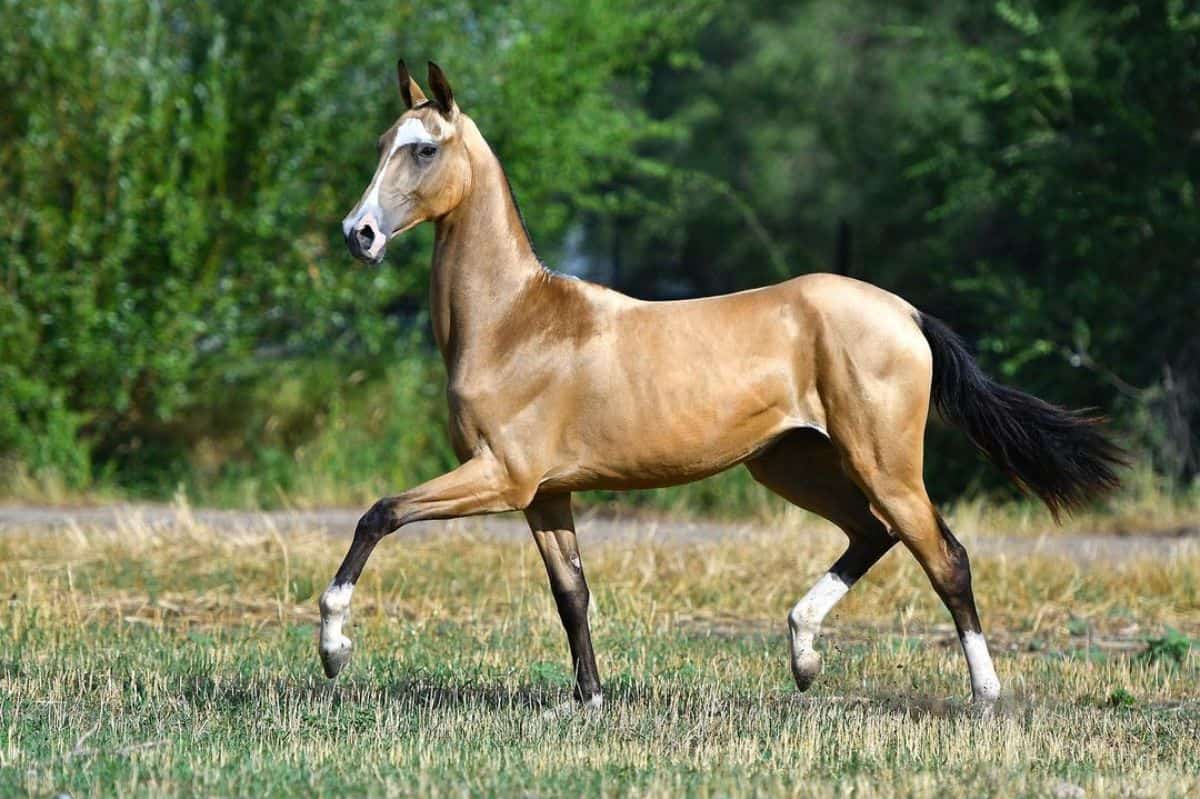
x: 481, y: 485
x: 553, y: 529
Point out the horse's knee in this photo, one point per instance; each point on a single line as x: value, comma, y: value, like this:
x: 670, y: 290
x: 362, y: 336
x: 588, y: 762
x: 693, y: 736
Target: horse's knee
x: 377, y: 522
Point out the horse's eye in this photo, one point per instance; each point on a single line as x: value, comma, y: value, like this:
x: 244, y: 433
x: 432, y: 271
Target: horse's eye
x: 427, y: 150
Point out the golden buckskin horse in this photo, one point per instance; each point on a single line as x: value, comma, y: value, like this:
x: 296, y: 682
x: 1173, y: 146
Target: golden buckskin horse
x: 820, y: 385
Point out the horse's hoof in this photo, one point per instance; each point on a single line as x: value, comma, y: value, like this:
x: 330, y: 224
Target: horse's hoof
x: 574, y: 708
x: 561, y: 711
x: 984, y: 700
x: 805, y: 668
x: 981, y: 708
x: 335, y: 658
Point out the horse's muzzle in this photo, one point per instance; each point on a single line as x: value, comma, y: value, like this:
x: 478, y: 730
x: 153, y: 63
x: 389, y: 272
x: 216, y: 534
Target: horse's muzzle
x: 366, y: 240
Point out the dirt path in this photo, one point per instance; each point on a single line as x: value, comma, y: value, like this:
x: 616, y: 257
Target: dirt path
x: 593, y: 528
x: 341, y: 521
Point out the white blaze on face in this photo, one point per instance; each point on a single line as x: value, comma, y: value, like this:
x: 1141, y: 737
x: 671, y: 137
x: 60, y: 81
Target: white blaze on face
x: 413, y: 131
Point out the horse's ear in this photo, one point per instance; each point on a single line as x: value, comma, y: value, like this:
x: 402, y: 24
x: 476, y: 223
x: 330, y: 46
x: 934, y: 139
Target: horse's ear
x: 443, y: 95
x: 410, y: 92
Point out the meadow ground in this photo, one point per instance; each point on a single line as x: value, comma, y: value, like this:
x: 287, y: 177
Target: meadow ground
x: 143, y: 659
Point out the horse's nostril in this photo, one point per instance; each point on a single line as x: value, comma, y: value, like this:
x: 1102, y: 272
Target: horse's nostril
x: 366, y: 235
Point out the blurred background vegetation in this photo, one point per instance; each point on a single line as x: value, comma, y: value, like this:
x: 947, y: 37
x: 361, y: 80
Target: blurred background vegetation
x: 178, y: 311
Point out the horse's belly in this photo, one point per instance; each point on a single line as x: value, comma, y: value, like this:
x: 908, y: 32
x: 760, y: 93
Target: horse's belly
x: 655, y: 444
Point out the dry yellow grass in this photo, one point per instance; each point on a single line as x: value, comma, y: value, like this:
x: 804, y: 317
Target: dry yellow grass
x: 142, y: 662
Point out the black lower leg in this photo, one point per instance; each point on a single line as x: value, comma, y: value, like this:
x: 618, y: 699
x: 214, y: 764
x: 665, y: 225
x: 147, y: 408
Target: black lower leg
x: 365, y: 539
x: 860, y: 556
x: 572, y: 604
x: 553, y: 529
x: 955, y: 588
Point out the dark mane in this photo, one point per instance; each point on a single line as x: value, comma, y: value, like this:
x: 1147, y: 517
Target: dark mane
x: 512, y: 196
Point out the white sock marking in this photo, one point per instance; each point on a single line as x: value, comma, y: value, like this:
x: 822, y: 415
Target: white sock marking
x: 335, y: 610
x: 985, y: 685
x: 806, y: 617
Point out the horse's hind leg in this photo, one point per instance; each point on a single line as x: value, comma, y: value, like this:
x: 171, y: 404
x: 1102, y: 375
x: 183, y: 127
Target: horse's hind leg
x: 885, y: 457
x: 805, y: 469
x: 945, y: 562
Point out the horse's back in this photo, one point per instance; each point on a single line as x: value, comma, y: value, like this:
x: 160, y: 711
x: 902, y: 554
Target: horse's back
x: 861, y: 322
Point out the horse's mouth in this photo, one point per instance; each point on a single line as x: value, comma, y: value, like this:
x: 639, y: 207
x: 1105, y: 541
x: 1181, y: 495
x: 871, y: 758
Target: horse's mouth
x: 404, y: 228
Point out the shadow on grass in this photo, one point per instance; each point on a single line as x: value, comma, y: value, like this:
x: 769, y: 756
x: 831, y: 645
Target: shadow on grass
x: 437, y: 693
x: 430, y: 694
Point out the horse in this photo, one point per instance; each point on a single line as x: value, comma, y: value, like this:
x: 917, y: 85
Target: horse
x: 821, y: 386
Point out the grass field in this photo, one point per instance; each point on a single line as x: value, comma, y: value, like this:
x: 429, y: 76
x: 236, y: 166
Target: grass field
x: 136, y: 662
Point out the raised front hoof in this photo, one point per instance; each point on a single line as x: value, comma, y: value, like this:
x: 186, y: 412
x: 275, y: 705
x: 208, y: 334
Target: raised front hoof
x: 335, y: 658
x: 805, y: 668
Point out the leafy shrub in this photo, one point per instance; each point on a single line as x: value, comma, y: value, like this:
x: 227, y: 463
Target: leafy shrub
x: 1172, y: 648
x: 1121, y: 698
x: 171, y: 180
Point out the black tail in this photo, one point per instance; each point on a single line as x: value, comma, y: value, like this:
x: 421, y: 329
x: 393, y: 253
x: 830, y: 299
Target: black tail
x: 1063, y: 456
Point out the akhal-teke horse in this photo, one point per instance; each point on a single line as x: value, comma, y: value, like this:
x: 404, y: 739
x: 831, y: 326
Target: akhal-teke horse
x: 820, y: 385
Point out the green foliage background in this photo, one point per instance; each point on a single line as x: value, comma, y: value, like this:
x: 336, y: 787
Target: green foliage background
x: 177, y: 307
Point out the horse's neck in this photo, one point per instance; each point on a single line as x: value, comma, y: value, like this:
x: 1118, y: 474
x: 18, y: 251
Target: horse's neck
x: 482, y: 258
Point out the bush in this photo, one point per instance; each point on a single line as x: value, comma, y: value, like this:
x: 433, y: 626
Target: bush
x: 171, y: 180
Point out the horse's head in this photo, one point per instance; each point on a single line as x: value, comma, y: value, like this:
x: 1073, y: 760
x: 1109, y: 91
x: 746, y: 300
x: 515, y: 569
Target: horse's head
x: 423, y: 169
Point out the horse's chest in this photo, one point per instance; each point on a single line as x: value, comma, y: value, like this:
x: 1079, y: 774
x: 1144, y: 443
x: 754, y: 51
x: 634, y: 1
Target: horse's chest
x: 480, y: 411
x: 467, y: 421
